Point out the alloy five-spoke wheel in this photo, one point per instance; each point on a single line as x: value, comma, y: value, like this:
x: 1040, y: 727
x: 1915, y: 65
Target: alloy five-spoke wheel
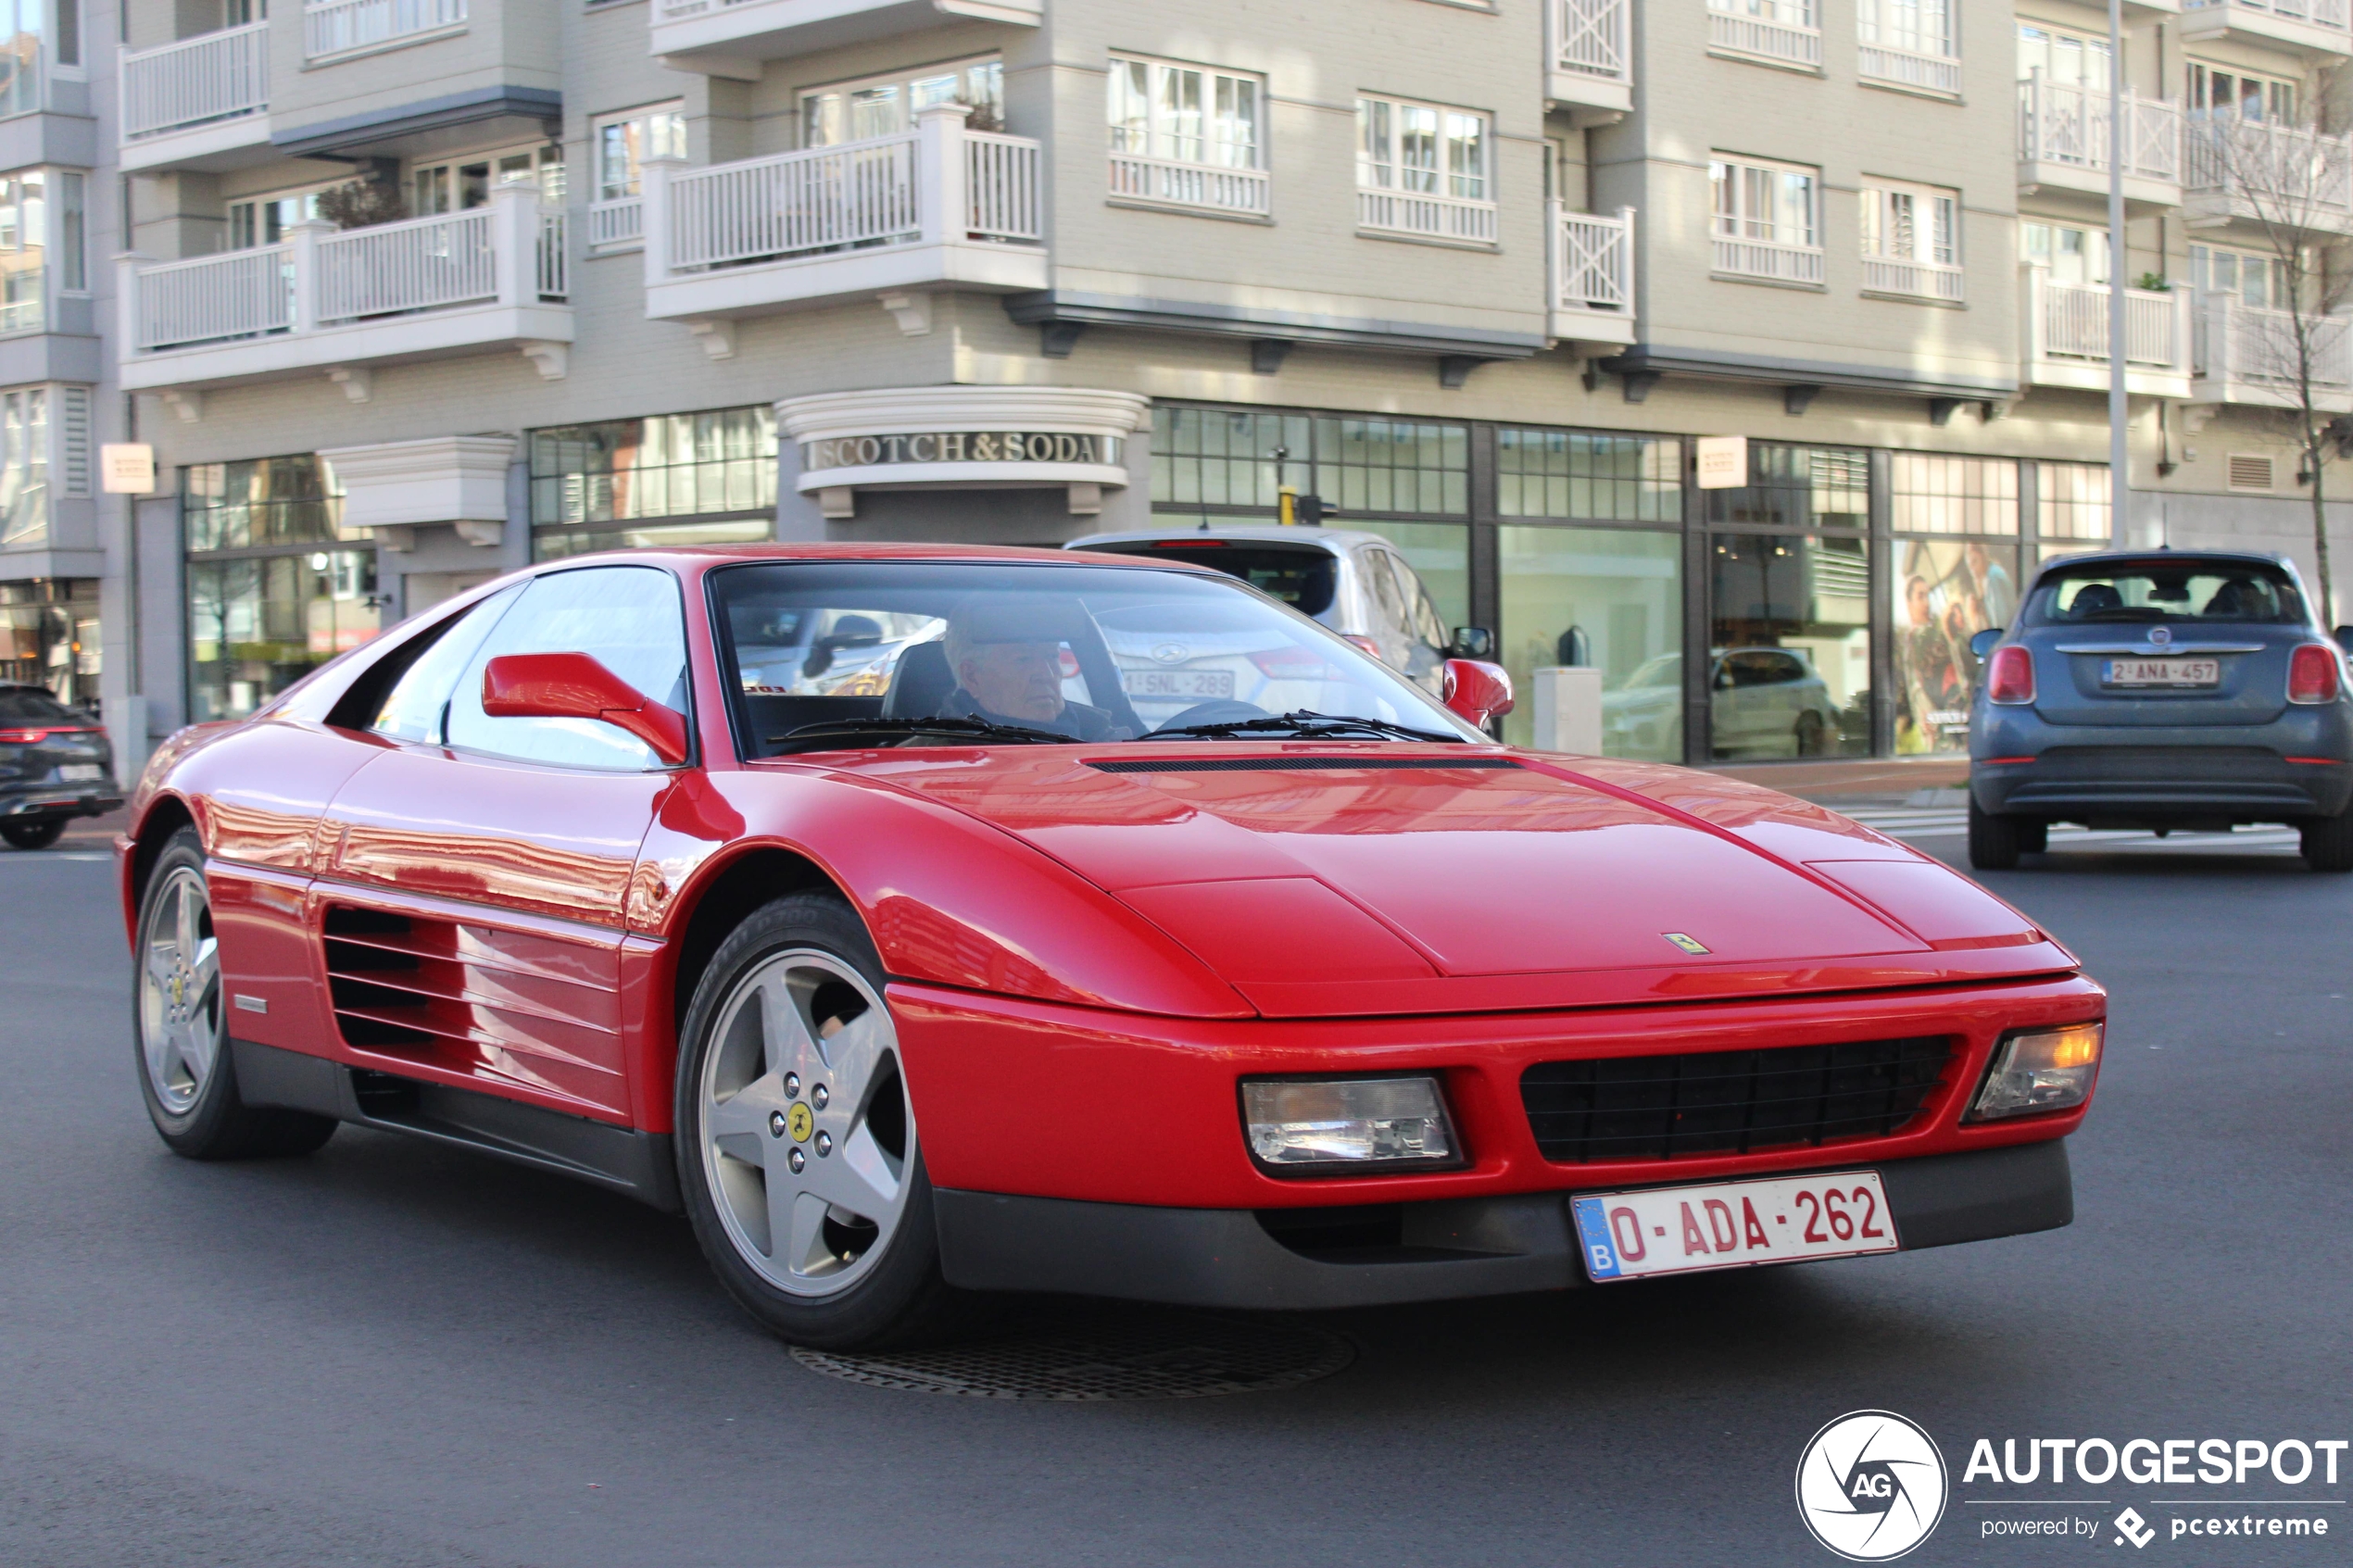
x: 180, y: 1029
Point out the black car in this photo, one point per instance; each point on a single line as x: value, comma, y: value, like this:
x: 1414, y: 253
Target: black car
x: 2169, y: 689
x: 54, y: 766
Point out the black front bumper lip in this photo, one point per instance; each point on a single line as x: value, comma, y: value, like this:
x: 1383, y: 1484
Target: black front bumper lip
x: 58, y: 800
x: 1477, y: 1246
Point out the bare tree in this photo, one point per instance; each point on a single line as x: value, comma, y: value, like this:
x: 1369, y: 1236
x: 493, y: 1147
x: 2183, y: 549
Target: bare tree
x: 361, y: 202
x: 2293, y: 186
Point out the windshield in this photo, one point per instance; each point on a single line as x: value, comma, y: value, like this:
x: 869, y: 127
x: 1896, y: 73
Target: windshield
x: 2241, y: 592
x: 867, y: 652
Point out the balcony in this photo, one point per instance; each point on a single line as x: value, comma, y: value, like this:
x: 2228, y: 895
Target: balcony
x: 1591, y: 268
x: 2066, y: 336
x: 1772, y: 32
x: 1767, y: 261
x: 1913, y: 70
x: 730, y: 38
x: 2278, y: 175
x: 617, y: 224
x: 939, y: 205
x: 201, y: 102
x: 2244, y: 355
x: 1414, y: 215
x: 1902, y: 278
x: 2308, y: 27
x: 1136, y: 180
x: 334, y: 29
x: 467, y: 282
x: 1591, y: 68
x: 2063, y: 144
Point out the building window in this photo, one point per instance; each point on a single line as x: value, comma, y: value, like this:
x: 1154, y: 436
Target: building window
x: 49, y: 637
x: 459, y: 185
x: 263, y: 220
x: 1766, y: 220
x: 1423, y: 170
x: 27, y: 219
x: 1930, y: 493
x: 1797, y: 487
x: 1790, y: 630
x: 24, y: 468
x: 2241, y: 96
x: 2072, y: 500
x: 676, y: 479
x: 1947, y: 592
x: 258, y: 503
x: 1911, y: 240
x: 2073, y: 255
x: 623, y: 142
x: 1608, y: 597
x: 1187, y: 136
x: 2256, y: 281
x: 2066, y: 59
x: 1909, y: 44
x: 885, y: 105
x: 1570, y: 473
x: 1783, y: 31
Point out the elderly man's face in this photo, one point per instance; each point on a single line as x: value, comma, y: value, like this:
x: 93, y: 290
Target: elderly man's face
x: 1018, y: 679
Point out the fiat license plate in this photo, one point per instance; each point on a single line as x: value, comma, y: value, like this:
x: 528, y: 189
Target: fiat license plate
x: 1732, y: 1225
x: 1189, y: 686
x: 75, y: 773
x: 2161, y: 673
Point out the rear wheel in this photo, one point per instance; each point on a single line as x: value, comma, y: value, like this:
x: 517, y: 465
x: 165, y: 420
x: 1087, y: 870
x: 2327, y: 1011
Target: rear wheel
x: 2328, y: 843
x: 38, y: 833
x: 1992, y: 840
x: 185, y: 1073
x: 797, y: 1142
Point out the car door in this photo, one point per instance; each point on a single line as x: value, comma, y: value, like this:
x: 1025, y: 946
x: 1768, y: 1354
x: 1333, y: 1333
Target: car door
x: 471, y: 905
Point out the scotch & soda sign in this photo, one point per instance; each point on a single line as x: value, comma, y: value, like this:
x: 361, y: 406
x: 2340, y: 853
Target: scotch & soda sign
x: 958, y: 447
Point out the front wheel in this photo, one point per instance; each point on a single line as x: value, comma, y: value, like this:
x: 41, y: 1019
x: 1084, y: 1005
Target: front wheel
x: 797, y: 1143
x: 38, y: 833
x: 2328, y: 843
x: 1992, y: 841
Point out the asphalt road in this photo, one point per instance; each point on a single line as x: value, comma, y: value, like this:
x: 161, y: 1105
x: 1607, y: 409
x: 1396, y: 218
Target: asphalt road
x: 388, y: 1354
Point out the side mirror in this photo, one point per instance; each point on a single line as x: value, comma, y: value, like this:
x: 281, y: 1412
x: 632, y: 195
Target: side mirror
x: 574, y: 685
x: 1477, y: 691
x: 2344, y: 635
x: 1983, y: 643
x: 1473, y: 642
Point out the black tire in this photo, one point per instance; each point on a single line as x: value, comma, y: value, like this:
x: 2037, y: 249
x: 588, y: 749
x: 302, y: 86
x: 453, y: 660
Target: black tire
x: 2034, y: 836
x: 1992, y: 840
x: 203, y: 1118
x: 2328, y: 843
x: 899, y: 1295
x: 36, y: 834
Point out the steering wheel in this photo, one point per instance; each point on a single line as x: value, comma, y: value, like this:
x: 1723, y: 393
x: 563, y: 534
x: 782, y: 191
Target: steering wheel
x: 1222, y: 710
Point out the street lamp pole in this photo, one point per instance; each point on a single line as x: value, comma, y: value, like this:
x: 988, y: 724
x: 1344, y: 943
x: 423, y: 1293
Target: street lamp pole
x: 2120, y: 412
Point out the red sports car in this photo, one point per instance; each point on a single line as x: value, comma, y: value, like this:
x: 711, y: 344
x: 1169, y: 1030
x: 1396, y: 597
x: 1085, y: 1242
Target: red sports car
x: 928, y: 920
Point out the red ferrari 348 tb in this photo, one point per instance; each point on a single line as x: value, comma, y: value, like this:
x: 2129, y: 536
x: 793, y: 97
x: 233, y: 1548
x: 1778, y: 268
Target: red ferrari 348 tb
x: 924, y: 921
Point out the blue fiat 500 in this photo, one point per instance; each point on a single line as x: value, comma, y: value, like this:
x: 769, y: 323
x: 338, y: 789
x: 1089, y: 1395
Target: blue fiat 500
x: 2167, y: 689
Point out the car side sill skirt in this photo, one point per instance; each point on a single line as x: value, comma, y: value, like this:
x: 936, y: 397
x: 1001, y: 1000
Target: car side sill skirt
x: 621, y: 1160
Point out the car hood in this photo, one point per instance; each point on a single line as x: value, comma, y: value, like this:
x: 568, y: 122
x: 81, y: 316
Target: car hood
x: 1320, y: 879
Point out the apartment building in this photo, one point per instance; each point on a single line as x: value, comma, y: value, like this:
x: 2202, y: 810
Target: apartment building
x: 418, y: 291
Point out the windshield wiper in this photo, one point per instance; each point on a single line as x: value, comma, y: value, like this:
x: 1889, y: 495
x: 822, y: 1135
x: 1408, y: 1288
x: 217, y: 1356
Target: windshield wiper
x: 839, y: 729
x: 1303, y: 722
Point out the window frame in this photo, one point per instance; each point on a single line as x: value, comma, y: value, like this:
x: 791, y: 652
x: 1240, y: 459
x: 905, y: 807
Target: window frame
x: 962, y: 66
x: 2280, y: 98
x: 1211, y: 79
x: 1445, y: 179
x: 1886, y: 207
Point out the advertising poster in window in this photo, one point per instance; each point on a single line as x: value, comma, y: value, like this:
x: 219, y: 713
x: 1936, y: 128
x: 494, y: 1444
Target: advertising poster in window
x: 1946, y: 591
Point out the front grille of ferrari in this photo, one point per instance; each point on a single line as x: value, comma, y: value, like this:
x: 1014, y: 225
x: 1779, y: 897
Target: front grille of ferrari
x: 1719, y: 1102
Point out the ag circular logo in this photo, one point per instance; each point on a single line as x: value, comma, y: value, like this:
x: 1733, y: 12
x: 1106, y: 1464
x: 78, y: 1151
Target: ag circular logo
x: 1871, y: 1486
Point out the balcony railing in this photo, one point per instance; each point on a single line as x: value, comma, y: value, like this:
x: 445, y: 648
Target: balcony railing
x: 2329, y: 14
x: 199, y: 81
x: 617, y: 222
x: 1766, y: 29
x: 337, y: 27
x: 2275, y: 174
x: 1590, y: 38
x: 1915, y: 280
x: 1592, y: 273
x: 2067, y: 331
x: 508, y: 253
x: 1172, y: 183
x: 1908, y: 68
x: 2259, y: 356
x: 1768, y: 259
x: 2066, y: 123
x: 1425, y: 216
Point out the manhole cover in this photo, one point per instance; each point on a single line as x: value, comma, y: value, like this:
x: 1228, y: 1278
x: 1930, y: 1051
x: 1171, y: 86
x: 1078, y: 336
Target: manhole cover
x: 1137, y: 1356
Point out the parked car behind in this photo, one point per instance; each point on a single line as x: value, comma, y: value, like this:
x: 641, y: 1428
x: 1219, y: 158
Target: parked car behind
x: 1357, y: 583
x: 1764, y: 702
x: 54, y: 766
x: 2171, y: 689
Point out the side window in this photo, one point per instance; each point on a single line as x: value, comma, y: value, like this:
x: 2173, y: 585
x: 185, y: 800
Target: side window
x: 1388, y: 602
x: 628, y: 618
x: 419, y: 701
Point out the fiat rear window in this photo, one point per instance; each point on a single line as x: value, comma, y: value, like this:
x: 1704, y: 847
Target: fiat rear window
x: 21, y: 703
x: 1301, y: 576
x: 2108, y: 593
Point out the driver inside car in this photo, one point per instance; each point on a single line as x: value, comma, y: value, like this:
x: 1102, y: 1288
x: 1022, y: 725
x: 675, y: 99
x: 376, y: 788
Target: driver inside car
x: 1008, y: 665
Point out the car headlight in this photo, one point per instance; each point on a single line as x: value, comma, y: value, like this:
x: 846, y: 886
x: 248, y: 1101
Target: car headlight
x: 1338, y: 1127
x: 2041, y: 1070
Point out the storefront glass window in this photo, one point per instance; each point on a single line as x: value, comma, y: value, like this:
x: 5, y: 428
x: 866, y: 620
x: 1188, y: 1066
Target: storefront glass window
x: 1946, y: 591
x: 1370, y: 466
x: 2073, y: 500
x: 1789, y: 667
x: 1578, y: 474
x: 1217, y: 457
x: 259, y: 624
x: 1931, y: 493
x: 1798, y: 488
x: 49, y: 637
x: 1608, y: 597
x: 716, y: 469
x: 263, y: 502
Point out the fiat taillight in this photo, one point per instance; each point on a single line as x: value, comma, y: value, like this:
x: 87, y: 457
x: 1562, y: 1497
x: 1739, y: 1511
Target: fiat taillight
x: 2010, y: 678
x: 2312, y: 673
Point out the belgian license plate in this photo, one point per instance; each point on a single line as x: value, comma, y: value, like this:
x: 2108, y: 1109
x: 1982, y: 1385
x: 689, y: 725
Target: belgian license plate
x: 2161, y: 673
x: 75, y: 773
x: 1189, y: 686
x: 1732, y: 1225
